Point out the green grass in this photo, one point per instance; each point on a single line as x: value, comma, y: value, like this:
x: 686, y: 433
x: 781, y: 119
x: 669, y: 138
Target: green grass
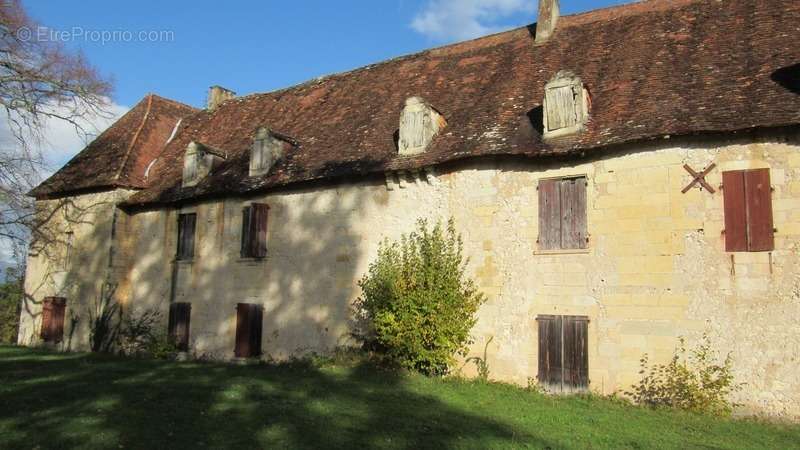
x: 53, y: 400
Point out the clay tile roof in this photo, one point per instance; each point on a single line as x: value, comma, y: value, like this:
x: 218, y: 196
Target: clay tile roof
x: 121, y: 154
x: 655, y: 68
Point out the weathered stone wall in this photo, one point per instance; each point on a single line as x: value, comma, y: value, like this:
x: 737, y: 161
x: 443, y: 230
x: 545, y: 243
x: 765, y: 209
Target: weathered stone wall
x: 655, y: 268
x: 84, y: 275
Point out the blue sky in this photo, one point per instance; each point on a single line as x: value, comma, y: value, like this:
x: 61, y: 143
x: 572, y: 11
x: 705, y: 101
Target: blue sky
x: 261, y: 46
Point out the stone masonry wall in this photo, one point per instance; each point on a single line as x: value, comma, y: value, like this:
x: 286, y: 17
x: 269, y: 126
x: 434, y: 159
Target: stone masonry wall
x: 655, y: 268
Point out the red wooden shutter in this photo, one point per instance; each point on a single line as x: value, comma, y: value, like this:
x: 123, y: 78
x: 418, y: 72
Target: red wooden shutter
x: 550, y: 361
x: 256, y: 320
x: 179, y: 320
x: 733, y: 192
x: 259, y: 232
x: 53, y: 312
x: 758, y: 200
x: 242, y: 348
x: 249, y: 321
x: 549, y: 214
x: 576, y: 357
x: 573, y: 213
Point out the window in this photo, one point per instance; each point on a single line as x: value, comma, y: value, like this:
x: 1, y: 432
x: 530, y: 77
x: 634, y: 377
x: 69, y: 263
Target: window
x: 178, y: 328
x: 69, y: 242
x: 563, y: 355
x: 562, y: 213
x: 198, y: 161
x: 248, y: 330
x: 53, y: 309
x: 186, y: 229
x: 266, y: 151
x: 419, y: 123
x: 566, y: 105
x: 747, y: 196
x: 254, y: 231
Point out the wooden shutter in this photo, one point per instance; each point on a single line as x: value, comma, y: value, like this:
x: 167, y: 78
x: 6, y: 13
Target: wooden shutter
x: 259, y: 232
x: 747, y: 197
x: 246, y: 218
x: 758, y: 200
x: 573, y: 213
x: 53, y: 312
x: 561, y: 108
x: 550, y: 352
x: 733, y: 193
x: 576, y: 357
x: 186, y: 231
x: 549, y: 214
x: 248, y: 330
x: 179, y: 320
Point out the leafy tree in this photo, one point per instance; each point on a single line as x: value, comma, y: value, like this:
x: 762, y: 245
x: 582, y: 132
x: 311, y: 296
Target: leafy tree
x: 10, y: 299
x: 417, y: 302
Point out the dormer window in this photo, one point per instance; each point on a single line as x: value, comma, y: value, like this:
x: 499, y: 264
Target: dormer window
x: 419, y: 123
x: 198, y: 161
x: 566, y: 105
x: 268, y: 147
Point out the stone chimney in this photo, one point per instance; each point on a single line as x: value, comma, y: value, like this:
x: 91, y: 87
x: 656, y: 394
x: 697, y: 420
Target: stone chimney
x: 546, y: 23
x: 217, y: 95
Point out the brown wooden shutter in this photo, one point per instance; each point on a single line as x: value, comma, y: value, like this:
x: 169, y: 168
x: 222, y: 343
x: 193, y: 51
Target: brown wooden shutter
x: 249, y: 319
x: 549, y: 214
x: 53, y: 312
x: 576, y: 357
x: 179, y: 321
x: 573, y: 213
x: 186, y: 231
x: 259, y: 233
x: 733, y: 193
x: 758, y: 201
x: 550, y: 362
x: 246, y: 239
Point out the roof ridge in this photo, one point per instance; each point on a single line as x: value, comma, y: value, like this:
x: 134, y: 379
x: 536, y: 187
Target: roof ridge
x: 174, y: 102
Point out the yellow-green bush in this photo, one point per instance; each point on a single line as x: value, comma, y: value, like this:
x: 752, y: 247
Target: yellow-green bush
x: 417, y: 302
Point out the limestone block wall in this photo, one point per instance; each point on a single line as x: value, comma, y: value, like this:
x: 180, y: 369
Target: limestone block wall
x: 72, y: 259
x: 655, y: 268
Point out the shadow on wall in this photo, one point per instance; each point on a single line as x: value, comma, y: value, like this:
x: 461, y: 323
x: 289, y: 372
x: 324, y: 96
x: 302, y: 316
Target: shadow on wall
x: 306, y: 283
x: 106, y: 402
x: 68, y: 257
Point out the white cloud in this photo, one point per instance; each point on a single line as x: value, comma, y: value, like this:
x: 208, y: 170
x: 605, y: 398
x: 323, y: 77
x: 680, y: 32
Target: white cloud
x: 60, y: 140
x: 446, y: 20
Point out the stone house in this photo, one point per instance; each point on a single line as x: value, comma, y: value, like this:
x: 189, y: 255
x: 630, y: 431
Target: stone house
x: 621, y: 178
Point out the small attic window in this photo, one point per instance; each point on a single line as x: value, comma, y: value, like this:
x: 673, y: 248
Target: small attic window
x: 267, y: 149
x: 566, y: 105
x: 419, y: 123
x: 198, y: 160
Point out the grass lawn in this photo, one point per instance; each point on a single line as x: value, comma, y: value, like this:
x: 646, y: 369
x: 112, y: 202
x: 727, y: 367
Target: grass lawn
x: 56, y: 400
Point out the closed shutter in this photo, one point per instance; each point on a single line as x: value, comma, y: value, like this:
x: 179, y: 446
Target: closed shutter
x: 561, y: 110
x: 562, y: 214
x: 747, y: 197
x: 758, y: 192
x: 573, y: 213
x: 576, y: 358
x: 733, y: 193
x: 550, y: 361
x: 260, y: 213
x: 186, y: 231
x: 53, y: 312
x: 179, y: 321
x: 249, y: 320
x: 549, y: 214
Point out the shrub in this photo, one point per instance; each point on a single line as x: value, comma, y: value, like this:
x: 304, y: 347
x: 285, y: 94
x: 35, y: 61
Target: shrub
x: 417, y: 302
x: 139, y: 334
x: 697, y: 382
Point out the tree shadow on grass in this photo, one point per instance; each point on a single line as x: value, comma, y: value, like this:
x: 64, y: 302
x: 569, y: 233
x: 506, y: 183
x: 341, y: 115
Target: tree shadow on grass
x: 94, y: 402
